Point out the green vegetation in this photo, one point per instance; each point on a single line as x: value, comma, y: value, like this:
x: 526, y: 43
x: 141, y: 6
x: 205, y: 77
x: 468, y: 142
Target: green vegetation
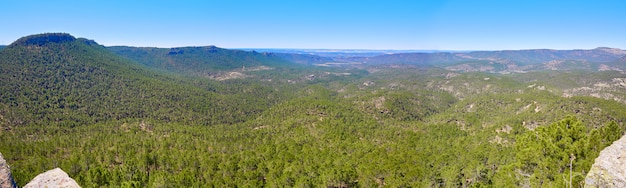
x: 74, y: 82
x: 201, y: 61
x: 136, y: 121
x: 561, y: 152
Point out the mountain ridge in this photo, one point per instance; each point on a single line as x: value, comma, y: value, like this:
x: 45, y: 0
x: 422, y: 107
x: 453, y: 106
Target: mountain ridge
x: 203, y: 61
x: 210, y: 60
x: 44, y: 80
x: 42, y: 39
x: 118, y: 121
x: 497, y: 61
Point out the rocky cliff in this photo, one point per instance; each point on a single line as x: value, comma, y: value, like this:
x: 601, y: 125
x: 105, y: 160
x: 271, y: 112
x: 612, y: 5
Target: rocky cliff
x: 609, y: 169
x: 6, y: 179
x: 52, y: 178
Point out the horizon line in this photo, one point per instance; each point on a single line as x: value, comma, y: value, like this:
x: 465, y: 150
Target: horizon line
x: 351, y: 49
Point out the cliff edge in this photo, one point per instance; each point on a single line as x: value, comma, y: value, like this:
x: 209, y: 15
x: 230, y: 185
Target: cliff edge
x: 6, y: 179
x: 609, y: 169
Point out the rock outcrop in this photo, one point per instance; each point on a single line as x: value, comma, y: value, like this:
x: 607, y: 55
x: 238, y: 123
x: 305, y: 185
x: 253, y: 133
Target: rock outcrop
x: 52, y: 178
x: 43, y: 39
x: 609, y: 169
x: 6, y: 179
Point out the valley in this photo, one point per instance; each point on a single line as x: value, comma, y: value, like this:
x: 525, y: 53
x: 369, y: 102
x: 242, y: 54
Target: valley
x: 122, y: 116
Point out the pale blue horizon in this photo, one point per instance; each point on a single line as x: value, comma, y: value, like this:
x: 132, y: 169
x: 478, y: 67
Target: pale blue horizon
x: 325, y: 24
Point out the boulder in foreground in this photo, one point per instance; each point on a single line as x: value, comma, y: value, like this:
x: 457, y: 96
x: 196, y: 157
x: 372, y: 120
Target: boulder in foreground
x: 6, y: 179
x: 52, y: 178
x: 609, y: 169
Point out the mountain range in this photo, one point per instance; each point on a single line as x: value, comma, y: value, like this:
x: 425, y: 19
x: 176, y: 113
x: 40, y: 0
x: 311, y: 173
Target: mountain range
x: 124, y: 116
x: 56, y: 64
x: 446, y: 58
x: 197, y: 60
x: 58, y: 78
x: 505, y: 61
x: 210, y: 60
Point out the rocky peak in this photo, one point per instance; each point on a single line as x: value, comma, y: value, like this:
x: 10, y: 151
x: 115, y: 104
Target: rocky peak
x: 609, y: 169
x: 43, y: 39
x: 6, y: 179
x: 52, y: 178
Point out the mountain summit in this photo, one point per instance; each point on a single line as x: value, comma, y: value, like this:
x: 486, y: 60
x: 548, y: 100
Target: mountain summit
x: 42, y: 39
x: 58, y: 74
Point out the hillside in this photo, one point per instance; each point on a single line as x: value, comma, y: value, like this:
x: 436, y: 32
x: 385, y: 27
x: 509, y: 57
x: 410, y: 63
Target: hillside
x: 207, y: 61
x: 56, y: 78
x: 424, y: 127
x: 156, y: 117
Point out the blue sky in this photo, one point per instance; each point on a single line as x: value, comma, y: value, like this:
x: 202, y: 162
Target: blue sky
x: 326, y: 24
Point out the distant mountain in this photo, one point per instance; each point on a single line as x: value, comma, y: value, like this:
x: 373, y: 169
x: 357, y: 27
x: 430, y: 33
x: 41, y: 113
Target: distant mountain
x: 2, y: 46
x: 197, y: 60
x: 56, y: 78
x: 303, y: 58
x: 504, y: 61
x: 410, y: 58
x: 543, y: 55
x: 340, y: 53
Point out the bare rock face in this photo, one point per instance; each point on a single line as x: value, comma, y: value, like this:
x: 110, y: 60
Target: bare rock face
x: 6, y: 179
x: 52, y: 178
x: 609, y: 169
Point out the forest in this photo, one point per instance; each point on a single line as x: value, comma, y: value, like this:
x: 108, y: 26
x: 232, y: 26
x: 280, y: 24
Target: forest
x: 213, y: 117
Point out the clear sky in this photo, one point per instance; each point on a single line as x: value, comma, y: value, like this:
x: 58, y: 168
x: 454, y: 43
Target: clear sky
x: 326, y: 24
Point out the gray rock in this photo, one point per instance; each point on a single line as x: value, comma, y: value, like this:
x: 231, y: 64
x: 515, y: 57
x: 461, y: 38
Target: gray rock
x: 609, y: 169
x: 6, y: 179
x: 52, y: 178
